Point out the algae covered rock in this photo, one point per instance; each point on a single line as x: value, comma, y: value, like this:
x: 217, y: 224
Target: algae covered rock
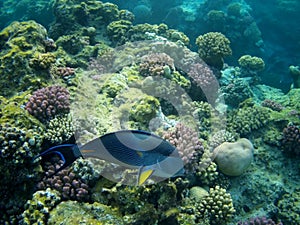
x: 22, y: 54
x: 72, y: 212
x: 234, y: 158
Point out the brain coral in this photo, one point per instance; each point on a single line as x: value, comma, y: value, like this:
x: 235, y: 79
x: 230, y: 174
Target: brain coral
x: 47, y: 102
x: 213, y: 46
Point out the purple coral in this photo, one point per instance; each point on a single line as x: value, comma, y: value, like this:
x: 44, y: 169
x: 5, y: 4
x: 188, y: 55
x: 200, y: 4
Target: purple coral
x: 204, y: 78
x: 65, y: 181
x: 272, y: 105
x: 186, y: 141
x: 291, y: 139
x: 48, y: 102
x: 259, y: 221
x: 156, y: 64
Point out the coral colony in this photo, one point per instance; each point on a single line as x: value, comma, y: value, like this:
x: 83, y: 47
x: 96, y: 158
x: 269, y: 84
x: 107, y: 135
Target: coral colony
x: 206, y: 76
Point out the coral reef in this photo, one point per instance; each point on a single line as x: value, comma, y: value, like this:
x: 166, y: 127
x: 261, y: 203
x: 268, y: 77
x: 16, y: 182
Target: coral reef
x: 237, y: 91
x: 48, y: 102
x: 291, y: 139
x: 66, y: 182
x: 208, y: 175
x: 251, y: 64
x: 156, y: 64
x: 186, y: 140
x: 220, y: 137
x: 259, y: 221
x: 213, y: 47
x: 59, y: 129
x: 289, y: 209
x: 144, y: 109
x: 234, y: 158
x: 71, y: 212
x: 247, y: 119
x: 19, y: 172
x: 217, y: 205
x: 37, y: 209
x: 22, y: 55
x: 272, y: 105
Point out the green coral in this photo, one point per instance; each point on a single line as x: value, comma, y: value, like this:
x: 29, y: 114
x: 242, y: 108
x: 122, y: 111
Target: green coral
x: 213, y: 47
x: 234, y: 9
x: 144, y: 109
x: 20, y: 42
x: 59, y: 129
x: 251, y: 63
x: 208, y: 175
x: 19, y: 172
x: 247, y: 119
x: 289, y: 208
x: 42, y: 60
x: 217, y: 205
x: 38, y: 208
x: 117, y: 31
x: 114, y: 84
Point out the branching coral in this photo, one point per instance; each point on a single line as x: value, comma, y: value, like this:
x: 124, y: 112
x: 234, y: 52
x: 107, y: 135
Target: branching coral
x: 47, y: 102
x: 291, y: 139
x: 251, y: 66
x: 217, y: 205
x: 247, y: 119
x: 213, y: 47
x: 38, y: 208
x: 186, y: 141
x: 156, y: 64
x: 259, y: 221
x: 59, y: 129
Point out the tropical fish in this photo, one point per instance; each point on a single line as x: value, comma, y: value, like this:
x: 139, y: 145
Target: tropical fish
x: 132, y: 149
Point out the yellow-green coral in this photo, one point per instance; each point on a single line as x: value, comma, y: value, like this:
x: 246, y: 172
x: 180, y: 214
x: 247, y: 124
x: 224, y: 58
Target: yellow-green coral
x: 251, y: 63
x: 247, y: 119
x: 38, y: 208
x: 145, y: 109
x: 59, y: 129
x: 212, y: 47
x: 208, y: 175
x: 19, y: 42
x: 217, y: 205
x: 42, y: 60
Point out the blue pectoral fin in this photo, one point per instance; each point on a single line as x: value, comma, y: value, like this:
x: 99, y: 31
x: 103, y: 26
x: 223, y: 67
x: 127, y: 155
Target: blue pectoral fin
x: 144, y: 174
x: 67, y: 152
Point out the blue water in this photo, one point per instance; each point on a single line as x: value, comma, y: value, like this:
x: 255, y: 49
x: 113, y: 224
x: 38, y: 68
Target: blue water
x: 278, y: 44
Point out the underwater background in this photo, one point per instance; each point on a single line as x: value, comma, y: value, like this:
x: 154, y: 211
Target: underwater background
x: 218, y: 79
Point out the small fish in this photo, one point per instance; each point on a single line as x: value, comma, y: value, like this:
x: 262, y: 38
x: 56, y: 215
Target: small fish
x: 133, y: 149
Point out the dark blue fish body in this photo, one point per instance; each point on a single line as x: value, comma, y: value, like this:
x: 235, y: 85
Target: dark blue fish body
x: 132, y: 149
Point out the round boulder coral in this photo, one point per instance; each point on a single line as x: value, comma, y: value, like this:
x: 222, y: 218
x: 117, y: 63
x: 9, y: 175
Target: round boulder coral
x: 234, y: 158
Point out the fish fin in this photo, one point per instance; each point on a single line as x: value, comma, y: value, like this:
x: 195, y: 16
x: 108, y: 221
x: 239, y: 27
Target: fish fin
x: 144, y: 174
